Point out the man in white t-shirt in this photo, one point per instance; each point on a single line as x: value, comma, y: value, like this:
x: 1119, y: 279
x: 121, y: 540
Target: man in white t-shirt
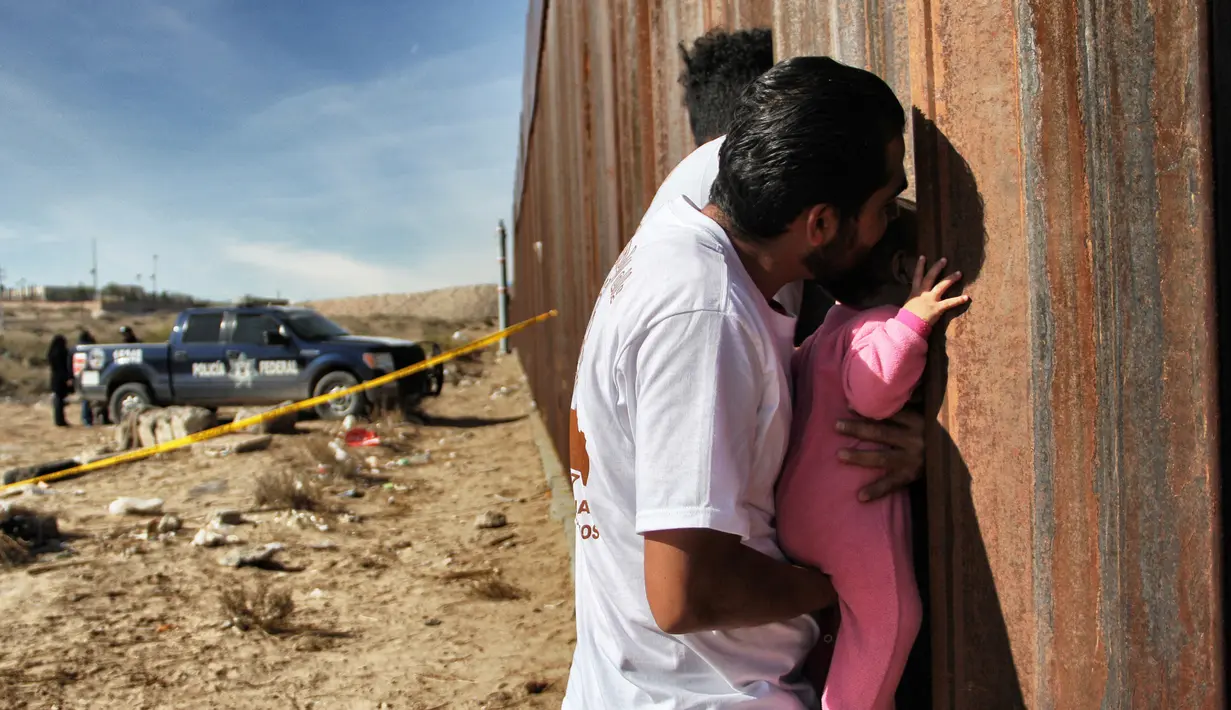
x: 681, y: 406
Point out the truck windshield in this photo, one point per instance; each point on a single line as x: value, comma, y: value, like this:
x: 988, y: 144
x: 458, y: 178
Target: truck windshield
x: 314, y: 326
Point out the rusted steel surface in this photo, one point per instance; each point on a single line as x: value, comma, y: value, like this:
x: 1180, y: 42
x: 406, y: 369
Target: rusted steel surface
x: 608, y: 123
x: 1060, y: 155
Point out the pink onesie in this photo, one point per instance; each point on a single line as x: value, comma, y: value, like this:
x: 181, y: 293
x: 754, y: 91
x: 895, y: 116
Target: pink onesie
x: 865, y: 362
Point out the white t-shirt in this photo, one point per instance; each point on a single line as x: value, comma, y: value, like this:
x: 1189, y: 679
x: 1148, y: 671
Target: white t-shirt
x: 693, y: 178
x: 682, y: 406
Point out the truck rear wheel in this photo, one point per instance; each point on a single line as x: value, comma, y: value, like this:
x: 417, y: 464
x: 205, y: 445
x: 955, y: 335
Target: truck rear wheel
x: 127, y: 397
x: 341, y: 407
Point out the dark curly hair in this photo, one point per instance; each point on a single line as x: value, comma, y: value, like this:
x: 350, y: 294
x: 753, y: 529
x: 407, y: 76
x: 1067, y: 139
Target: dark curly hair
x: 719, y: 67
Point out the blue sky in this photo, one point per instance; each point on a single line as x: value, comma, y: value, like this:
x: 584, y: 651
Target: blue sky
x: 313, y: 147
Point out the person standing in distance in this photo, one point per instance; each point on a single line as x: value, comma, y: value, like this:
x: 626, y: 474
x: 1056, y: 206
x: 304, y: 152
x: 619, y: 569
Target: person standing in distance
x: 682, y: 404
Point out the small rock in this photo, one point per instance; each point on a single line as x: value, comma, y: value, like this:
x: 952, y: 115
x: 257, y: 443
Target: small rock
x: 316, y: 594
x: 324, y: 545
x: 235, y: 444
x: 208, y: 538
x: 431, y: 622
x: 228, y: 517
x: 284, y: 424
x: 168, y: 524
x: 251, y: 556
x: 490, y: 520
x: 135, y: 506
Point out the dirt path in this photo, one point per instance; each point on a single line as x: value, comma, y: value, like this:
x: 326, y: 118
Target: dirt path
x: 137, y: 623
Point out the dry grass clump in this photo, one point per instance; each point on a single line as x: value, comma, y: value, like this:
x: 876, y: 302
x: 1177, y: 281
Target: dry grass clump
x: 284, y: 490
x: 496, y: 590
x: 261, y: 607
x: 13, y: 552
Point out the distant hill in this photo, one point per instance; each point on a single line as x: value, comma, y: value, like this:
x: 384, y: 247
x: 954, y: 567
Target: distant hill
x: 459, y: 304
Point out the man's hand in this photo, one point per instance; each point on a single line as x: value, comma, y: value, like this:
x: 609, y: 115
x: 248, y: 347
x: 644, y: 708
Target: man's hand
x: 902, y: 460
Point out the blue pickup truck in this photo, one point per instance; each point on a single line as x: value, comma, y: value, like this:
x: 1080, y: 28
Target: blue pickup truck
x: 219, y: 357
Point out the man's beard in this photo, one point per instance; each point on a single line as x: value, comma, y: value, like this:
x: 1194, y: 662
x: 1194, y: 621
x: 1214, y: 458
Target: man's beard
x: 840, y: 268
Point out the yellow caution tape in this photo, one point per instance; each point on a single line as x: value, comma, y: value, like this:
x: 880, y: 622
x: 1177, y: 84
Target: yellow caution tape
x: 240, y: 425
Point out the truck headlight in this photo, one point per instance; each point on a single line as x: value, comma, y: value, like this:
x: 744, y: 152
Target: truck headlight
x: 379, y: 361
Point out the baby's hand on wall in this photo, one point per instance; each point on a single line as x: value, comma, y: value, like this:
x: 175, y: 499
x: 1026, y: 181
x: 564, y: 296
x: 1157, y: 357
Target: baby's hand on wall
x: 927, y: 296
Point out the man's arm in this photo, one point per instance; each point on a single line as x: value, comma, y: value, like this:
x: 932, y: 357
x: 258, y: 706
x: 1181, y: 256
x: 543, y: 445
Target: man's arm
x: 696, y: 385
x: 705, y: 580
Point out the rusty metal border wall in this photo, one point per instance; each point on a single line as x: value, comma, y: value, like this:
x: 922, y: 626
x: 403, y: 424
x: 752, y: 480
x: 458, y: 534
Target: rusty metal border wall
x: 1060, y: 153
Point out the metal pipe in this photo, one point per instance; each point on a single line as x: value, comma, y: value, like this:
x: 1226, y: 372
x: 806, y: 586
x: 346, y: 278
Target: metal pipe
x: 502, y: 291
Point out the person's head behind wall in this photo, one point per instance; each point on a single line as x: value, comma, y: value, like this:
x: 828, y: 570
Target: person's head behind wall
x: 811, y: 165
x: 719, y: 67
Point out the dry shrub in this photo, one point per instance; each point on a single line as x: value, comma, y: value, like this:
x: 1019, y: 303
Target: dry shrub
x: 283, y: 490
x: 13, y: 552
x: 496, y: 590
x: 261, y: 607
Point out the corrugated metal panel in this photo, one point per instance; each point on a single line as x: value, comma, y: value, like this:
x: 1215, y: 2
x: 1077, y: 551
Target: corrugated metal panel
x: 609, y: 123
x: 1060, y: 154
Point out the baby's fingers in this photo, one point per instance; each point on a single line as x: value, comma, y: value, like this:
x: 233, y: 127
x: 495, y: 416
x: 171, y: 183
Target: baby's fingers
x: 933, y: 273
x: 917, y: 282
x: 950, y: 303
x: 946, y: 282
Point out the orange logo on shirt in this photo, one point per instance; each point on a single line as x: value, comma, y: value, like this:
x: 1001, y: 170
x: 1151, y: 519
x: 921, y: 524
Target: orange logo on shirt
x: 578, y: 459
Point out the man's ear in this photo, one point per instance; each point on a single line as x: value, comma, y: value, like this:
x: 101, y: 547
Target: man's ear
x: 822, y: 225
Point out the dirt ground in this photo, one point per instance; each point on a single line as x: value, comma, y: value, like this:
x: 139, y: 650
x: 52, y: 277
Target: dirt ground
x: 392, y: 602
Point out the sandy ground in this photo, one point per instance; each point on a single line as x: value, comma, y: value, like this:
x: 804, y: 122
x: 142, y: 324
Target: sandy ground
x: 125, y: 622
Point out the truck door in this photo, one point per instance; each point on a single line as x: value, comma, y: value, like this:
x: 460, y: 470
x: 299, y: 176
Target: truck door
x: 276, y: 366
x: 198, y: 366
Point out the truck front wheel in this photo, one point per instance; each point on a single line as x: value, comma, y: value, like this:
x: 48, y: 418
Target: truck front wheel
x: 341, y: 407
x: 127, y: 397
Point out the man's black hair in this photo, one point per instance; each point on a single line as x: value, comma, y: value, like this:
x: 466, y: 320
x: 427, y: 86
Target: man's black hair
x: 809, y: 131
x: 719, y: 67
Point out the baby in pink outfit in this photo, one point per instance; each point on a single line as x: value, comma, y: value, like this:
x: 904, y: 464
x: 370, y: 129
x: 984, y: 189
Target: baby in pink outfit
x: 866, y: 360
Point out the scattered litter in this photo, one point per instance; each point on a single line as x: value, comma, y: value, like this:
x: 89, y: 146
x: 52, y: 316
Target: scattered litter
x: 339, y: 451
x: 135, y: 506
x: 316, y: 594
x: 360, y: 436
x: 491, y: 519
x: 302, y: 520
x: 351, y: 493
x: 324, y: 545
x: 349, y: 422
x: 261, y: 557
x: 373, y: 462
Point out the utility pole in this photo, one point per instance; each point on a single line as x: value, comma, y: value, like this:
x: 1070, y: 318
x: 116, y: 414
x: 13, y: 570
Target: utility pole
x: 1, y: 300
x: 154, y: 278
x: 94, y: 268
x: 502, y: 291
